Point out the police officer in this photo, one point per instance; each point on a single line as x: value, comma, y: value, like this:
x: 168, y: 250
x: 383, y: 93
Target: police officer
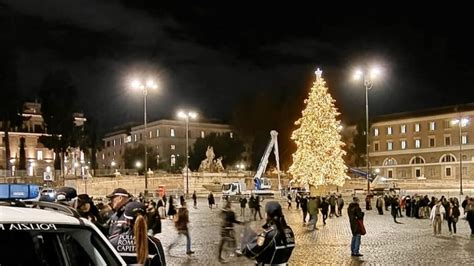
x: 276, y: 243
x: 117, y: 223
x: 134, y: 245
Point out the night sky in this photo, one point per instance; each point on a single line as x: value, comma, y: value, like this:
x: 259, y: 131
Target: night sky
x: 212, y: 57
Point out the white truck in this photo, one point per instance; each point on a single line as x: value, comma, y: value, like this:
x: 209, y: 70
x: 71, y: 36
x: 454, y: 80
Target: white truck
x: 262, y: 185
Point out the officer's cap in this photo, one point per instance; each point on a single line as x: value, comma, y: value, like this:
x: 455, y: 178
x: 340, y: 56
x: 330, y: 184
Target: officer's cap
x: 132, y: 209
x: 119, y: 192
x: 66, y: 194
x: 273, y: 208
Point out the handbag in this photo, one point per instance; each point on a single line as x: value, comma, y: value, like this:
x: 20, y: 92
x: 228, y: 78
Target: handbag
x: 360, y: 224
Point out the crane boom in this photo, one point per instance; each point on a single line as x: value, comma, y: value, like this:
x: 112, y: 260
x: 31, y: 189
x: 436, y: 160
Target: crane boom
x: 273, y: 144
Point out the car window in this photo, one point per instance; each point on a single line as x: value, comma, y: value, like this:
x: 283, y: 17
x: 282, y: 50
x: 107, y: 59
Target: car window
x: 49, y: 244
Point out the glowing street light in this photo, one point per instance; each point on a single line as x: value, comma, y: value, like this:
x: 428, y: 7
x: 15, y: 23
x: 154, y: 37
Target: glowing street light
x: 461, y: 122
x: 186, y: 116
x: 368, y: 75
x: 138, y: 165
x: 144, y: 86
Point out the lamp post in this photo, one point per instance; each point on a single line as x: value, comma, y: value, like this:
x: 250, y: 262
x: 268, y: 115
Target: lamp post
x: 186, y: 116
x: 149, y: 85
x: 367, y: 75
x: 461, y: 122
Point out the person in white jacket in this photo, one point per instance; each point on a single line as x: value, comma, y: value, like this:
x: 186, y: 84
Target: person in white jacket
x: 437, y: 214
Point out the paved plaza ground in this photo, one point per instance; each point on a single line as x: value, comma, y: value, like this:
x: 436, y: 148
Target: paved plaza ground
x: 386, y: 243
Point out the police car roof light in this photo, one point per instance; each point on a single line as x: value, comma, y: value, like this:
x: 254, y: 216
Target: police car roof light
x: 18, y: 191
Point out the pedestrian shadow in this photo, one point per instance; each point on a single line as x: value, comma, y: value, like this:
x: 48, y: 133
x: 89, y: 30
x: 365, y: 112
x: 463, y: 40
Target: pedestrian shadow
x: 355, y: 261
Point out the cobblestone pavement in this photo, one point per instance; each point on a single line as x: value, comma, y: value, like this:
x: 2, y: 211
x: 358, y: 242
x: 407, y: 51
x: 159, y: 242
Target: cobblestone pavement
x: 386, y: 243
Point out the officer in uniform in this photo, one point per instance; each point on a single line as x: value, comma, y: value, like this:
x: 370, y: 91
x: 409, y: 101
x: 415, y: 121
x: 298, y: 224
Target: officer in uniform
x: 275, y: 244
x: 136, y: 250
x: 117, y: 223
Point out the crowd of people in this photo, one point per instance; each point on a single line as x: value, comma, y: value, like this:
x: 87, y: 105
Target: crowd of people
x: 132, y: 223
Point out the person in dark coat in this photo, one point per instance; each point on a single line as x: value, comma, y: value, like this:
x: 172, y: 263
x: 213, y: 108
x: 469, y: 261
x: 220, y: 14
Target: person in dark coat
x: 252, y: 206
x: 304, y: 207
x: 394, y: 207
x: 379, y: 205
x: 117, y: 223
x: 332, y: 204
x: 86, y: 209
x: 470, y: 215
x: 243, y: 204
x: 153, y: 219
x: 257, y: 208
x: 195, y: 199
x: 210, y: 200
x: 408, y: 206
x: 171, y: 208
x: 324, y: 209
x: 227, y: 227
x: 275, y: 244
x: 355, y: 217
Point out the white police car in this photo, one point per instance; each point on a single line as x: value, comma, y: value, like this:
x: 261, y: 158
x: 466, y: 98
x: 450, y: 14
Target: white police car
x: 45, y: 233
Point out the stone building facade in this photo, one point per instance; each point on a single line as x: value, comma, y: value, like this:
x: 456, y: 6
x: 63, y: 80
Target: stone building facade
x: 427, y: 144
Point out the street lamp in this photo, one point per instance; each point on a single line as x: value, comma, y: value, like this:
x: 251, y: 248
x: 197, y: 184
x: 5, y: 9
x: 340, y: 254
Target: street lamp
x: 461, y: 122
x: 144, y: 87
x: 186, y: 116
x: 367, y: 75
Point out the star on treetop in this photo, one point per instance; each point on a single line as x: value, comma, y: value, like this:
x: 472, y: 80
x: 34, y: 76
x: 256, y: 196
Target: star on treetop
x: 318, y: 72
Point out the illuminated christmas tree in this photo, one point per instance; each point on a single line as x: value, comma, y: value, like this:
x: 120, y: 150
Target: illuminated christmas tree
x: 318, y: 158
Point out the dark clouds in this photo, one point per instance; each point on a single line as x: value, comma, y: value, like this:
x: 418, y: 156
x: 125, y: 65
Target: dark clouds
x: 207, y: 56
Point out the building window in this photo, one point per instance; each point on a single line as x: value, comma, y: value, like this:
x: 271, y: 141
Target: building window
x: 157, y: 133
x: 39, y: 155
x: 464, y: 139
x: 389, y: 130
x: 376, y: 146
x: 432, y: 125
x: 403, y: 144
x: 432, y: 172
x: 135, y: 137
x: 390, y: 173
x: 389, y: 161
x: 108, y: 143
x: 172, y: 133
x: 418, y: 172
x: 464, y: 157
x: 431, y: 141
x: 447, y: 158
x: 447, y: 140
x: 403, y: 129
x: 376, y: 132
x: 389, y: 145
x: 417, y: 143
x: 103, y: 156
x: 447, y: 171
x: 173, y: 160
x: 202, y: 134
x: 231, y: 135
x: 141, y: 136
x: 447, y: 124
x: 173, y: 147
x: 417, y: 127
x: 417, y: 160
x: 403, y: 173
x: 113, y: 142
